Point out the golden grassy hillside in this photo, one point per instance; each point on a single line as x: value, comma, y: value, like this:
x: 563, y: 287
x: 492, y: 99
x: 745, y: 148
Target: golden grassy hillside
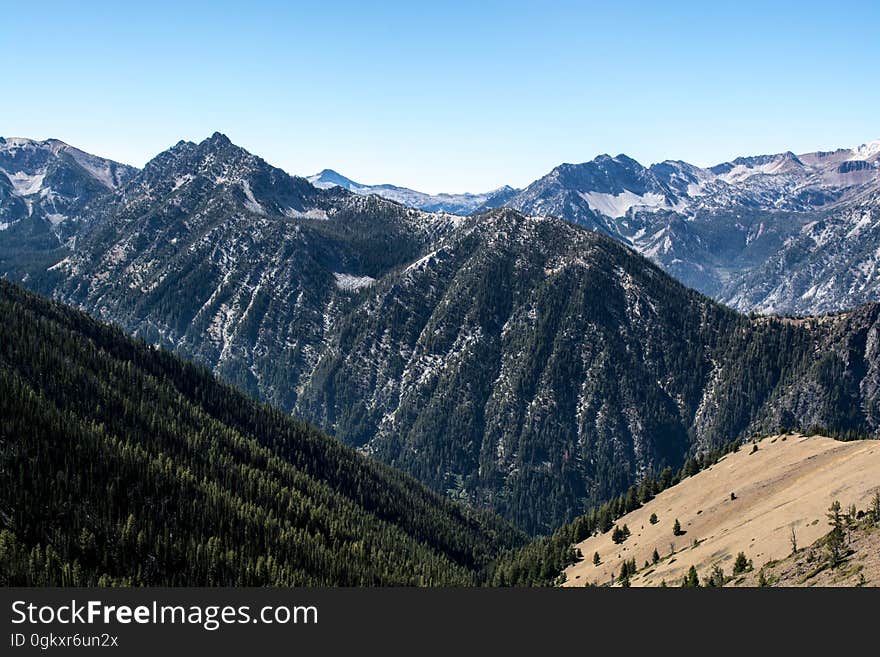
x: 788, y: 483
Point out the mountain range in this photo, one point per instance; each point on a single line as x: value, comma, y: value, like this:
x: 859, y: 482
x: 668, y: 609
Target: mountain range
x: 529, y: 363
x: 770, y: 233
x: 454, y: 203
x: 780, y: 233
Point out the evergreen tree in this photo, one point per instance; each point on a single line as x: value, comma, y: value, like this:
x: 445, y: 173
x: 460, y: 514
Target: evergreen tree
x: 762, y: 579
x: 835, y: 541
x: 716, y: 578
x: 676, y: 528
x: 691, y: 580
x: 741, y: 564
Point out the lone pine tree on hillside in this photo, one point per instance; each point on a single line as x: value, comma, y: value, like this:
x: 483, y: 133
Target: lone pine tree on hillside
x: 596, y: 559
x: 762, y: 579
x: 716, y: 579
x: 691, y: 580
x: 676, y: 528
x: 836, y: 540
x: 656, y: 556
x: 741, y: 564
x: 627, y: 568
x: 653, y: 519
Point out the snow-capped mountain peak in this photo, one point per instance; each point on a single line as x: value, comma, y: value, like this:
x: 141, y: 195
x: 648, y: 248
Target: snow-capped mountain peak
x: 330, y: 178
x: 867, y: 151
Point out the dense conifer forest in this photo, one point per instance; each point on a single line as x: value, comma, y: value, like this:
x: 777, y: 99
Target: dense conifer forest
x: 121, y: 464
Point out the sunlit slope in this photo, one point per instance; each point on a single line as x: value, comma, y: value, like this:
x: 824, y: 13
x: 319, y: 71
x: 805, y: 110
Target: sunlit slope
x: 789, y: 482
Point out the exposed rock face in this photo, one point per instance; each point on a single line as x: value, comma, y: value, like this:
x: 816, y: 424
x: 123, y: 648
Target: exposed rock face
x: 778, y: 233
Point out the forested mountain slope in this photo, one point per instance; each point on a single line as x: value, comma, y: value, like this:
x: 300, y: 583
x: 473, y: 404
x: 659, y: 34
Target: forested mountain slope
x: 214, y: 253
x: 540, y: 368
x: 44, y: 186
x: 519, y: 363
x: 122, y: 464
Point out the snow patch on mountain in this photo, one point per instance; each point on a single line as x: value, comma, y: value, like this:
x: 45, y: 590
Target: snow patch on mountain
x: 251, y: 202
x: 741, y: 172
x: 61, y: 264
x: 25, y: 184
x: 313, y: 213
x: 352, y: 283
x: 180, y: 181
x: 617, y: 205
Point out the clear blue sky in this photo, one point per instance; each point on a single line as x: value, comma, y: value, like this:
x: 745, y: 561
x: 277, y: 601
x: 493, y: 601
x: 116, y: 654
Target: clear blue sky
x: 444, y: 96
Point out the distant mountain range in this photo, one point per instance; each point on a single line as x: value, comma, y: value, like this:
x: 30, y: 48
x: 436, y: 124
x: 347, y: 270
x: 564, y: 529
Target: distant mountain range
x: 516, y: 361
x: 780, y: 233
x: 771, y: 233
x: 453, y: 203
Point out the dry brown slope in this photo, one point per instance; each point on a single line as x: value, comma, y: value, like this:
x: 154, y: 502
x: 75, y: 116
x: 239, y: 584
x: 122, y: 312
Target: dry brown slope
x: 789, y: 482
x: 811, y: 565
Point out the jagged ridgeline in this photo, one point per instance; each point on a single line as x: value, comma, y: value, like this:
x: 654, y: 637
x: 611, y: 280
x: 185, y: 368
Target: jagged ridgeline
x: 122, y: 464
x: 522, y: 364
